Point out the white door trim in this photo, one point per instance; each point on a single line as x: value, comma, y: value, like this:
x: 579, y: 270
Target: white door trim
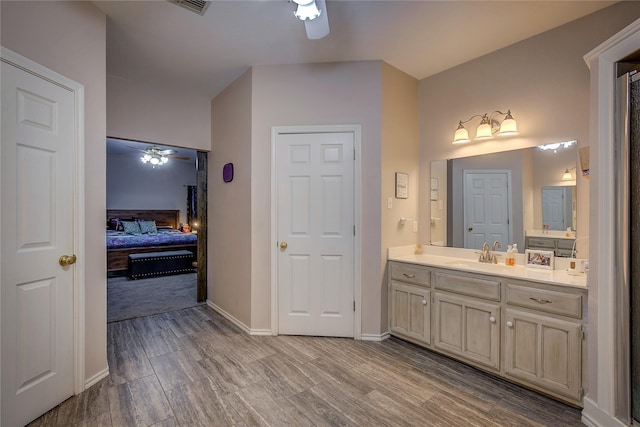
x: 279, y: 130
x: 78, y: 225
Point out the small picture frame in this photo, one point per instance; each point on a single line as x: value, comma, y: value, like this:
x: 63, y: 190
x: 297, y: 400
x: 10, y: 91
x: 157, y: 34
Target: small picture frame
x: 539, y: 259
x: 402, y: 185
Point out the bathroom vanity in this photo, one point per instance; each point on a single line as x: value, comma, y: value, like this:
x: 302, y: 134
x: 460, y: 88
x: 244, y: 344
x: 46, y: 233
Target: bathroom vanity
x: 522, y: 324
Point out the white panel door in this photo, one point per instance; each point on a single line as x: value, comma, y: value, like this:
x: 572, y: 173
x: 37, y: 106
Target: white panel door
x: 486, y: 208
x: 553, y: 207
x: 315, y: 234
x: 37, y: 229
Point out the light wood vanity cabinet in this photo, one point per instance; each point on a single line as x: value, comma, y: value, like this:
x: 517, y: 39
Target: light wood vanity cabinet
x: 466, y: 319
x: 527, y: 332
x: 410, y: 302
x: 467, y: 328
x: 411, y: 312
x: 562, y: 247
x: 543, y: 339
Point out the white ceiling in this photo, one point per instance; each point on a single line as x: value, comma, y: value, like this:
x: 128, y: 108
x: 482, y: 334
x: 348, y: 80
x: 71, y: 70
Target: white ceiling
x: 121, y: 148
x: 158, y: 42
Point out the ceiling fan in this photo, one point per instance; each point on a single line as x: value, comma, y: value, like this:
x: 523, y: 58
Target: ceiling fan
x: 156, y: 156
x: 314, y: 15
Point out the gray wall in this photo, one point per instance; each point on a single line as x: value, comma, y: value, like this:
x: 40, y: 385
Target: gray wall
x: 134, y: 185
x: 70, y: 38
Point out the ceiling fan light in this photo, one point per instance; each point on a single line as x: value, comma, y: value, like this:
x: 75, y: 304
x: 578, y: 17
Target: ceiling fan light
x: 154, y: 161
x: 164, y: 159
x: 307, y: 11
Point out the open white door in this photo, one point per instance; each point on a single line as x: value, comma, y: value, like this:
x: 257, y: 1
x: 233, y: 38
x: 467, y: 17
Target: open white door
x: 315, y: 208
x: 38, y: 164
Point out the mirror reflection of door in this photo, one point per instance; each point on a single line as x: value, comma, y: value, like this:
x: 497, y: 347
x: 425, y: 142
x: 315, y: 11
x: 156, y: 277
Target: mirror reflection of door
x: 486, y: 208
x: 557, y: 207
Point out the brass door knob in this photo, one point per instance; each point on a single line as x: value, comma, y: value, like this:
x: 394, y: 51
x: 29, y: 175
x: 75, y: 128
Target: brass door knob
x: 283, y: 245
x: 66, y: 260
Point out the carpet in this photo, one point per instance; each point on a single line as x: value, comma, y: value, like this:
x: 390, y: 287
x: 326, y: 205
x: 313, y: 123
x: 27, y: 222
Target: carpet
x: 127, y: 299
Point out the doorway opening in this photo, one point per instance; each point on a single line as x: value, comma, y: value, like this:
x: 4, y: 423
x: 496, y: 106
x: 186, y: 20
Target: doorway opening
x: 156, y: 228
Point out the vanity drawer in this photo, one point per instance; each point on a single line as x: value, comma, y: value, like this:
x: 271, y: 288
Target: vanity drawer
x: 410, y: 273
x: 565, y: 244
x: 471, y: 286
x: 544, y: 300
x: 533, y: 242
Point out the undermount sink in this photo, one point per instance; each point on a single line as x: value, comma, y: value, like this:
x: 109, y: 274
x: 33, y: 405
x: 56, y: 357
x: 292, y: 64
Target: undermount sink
x: 462, y: 263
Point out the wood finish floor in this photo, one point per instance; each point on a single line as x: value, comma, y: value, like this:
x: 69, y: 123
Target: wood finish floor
x: 193, y: 368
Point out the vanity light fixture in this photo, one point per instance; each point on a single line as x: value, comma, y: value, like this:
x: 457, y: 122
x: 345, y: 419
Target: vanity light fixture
x: 488, y: 127
x: 307, y: 9
x: 567, y: 176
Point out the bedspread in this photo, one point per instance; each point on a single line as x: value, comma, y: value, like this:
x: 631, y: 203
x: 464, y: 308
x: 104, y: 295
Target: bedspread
x: 122, y: 240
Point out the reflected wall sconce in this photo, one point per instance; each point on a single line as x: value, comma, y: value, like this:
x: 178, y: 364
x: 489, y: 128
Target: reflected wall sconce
x: 567, y: 176
x: 488, y: 127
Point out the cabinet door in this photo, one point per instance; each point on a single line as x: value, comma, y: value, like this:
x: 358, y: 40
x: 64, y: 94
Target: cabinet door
x: 467, y: 328
x: 410, y: 312
x: 544, y: 352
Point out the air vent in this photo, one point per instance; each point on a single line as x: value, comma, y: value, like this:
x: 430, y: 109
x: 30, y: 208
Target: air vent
x: 197, y: 6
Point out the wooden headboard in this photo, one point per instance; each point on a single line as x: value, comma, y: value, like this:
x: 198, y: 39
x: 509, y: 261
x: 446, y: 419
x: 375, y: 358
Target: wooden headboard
x: 161, y: 217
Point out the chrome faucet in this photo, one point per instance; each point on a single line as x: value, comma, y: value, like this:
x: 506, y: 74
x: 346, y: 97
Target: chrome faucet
x: 486, y: 255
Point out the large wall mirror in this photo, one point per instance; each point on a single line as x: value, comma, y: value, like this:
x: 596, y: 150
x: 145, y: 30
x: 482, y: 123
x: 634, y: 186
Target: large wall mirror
x: 503, y: 196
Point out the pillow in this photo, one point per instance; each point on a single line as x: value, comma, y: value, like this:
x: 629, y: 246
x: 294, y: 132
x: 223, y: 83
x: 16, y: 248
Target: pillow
x: 131, y: 227
x: 147, y: 227
x: 116, y: 224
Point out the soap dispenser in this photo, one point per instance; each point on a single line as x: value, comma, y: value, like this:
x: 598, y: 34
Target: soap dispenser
x: 510, y: 258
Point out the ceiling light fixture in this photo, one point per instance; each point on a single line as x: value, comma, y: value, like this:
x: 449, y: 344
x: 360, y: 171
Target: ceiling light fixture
x: 307, y: 9
x: 488, y: 127
x: 154, y: 156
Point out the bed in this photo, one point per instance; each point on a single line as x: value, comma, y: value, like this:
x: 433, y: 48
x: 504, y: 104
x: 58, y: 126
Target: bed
x: 168, y: 238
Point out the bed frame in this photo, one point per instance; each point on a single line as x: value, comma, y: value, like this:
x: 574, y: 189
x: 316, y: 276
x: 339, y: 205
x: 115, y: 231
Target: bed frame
x: 118, y: 259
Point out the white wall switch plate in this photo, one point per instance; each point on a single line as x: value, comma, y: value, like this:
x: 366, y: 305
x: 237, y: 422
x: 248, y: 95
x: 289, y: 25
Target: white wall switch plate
x: 390, y: 202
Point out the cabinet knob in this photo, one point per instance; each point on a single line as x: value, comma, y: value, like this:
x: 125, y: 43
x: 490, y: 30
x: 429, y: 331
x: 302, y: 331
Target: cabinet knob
x: 424, y: 302
x: 492, y: 319
x: 510, y: 323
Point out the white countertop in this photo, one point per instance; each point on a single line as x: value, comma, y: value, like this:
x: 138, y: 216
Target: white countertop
x: 467, y: 260
x: 551, y: 234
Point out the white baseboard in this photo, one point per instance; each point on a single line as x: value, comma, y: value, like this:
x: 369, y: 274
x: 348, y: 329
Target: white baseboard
x: 96, y: 378
x: 238, y: 323
x: 260, y: 332
x: 374, y: 337
x: 593, y: 416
